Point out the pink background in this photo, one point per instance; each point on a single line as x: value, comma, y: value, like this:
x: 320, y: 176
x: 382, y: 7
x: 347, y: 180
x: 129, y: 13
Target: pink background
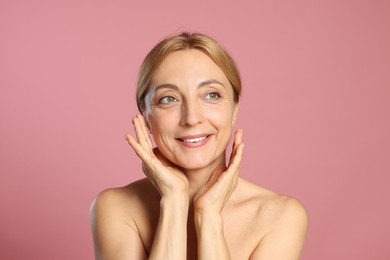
x: 315, y: 112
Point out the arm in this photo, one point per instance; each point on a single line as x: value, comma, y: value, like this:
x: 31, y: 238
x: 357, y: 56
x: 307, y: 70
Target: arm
x: 170, y: 241
x: 209, y: 202
x: 115, y: 234
x: 211, y: 239
x: 285, y: 239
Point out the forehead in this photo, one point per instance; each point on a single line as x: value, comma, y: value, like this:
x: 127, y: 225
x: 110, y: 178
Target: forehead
x: 188, y: 66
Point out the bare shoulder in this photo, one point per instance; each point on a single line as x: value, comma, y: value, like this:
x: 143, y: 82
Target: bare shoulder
x: 114, y: 215
x: 280, y: 219
x: 125, y: 201
x: 271, y: 205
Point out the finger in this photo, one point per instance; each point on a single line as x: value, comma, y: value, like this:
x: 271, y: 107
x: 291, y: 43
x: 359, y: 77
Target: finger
x: 236, y: 160
x: 150, y: 163
x: 139, y: 149
x: 216, y: 175
x: 147, y: 172
x: 232, y: 172
x: 161, y: 157
x: 142, y: 137
x: 237, y: 141
x: 145, y: 129
x: 238, y: 136
x: 138, y: 130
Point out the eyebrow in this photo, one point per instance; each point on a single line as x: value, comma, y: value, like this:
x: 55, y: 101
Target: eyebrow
x: 166, y: 85
x: 211, y: 81
x: 202, y: 84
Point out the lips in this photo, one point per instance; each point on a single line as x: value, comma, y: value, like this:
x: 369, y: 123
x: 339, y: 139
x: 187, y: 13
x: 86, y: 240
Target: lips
x: 194, y: 140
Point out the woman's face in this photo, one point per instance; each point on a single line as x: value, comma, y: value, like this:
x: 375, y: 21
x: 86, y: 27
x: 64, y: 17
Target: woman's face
x: 190, y: 109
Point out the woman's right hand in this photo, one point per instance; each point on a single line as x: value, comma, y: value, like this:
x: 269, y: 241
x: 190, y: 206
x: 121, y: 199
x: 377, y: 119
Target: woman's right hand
x: 166, y: 178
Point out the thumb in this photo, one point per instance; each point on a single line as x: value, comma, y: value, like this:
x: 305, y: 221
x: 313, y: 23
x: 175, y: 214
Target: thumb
x: 161, y: 157
x: 216, y: 174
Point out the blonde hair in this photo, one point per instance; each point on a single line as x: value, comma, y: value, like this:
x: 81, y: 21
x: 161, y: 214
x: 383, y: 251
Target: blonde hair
x: 185, y: 41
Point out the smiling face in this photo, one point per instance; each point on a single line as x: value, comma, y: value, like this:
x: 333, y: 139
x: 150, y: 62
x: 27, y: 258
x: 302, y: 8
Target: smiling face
x: 191, y: 110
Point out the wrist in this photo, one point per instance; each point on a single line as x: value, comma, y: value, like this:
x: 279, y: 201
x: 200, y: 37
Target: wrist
x: 209, y: 218
x: 171, y: 233
x: 207, y: 213
x: 175, y: 202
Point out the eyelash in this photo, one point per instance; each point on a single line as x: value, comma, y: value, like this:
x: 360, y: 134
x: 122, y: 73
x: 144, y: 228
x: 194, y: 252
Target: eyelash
x: 169, y: 99
x: 217, y: 96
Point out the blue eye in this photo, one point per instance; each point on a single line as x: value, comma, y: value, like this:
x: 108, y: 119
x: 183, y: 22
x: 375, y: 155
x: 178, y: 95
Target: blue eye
x: 213, y: 96
x: 167, y: 100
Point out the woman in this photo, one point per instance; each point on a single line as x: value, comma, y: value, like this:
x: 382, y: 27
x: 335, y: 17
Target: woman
x: 192, y: 205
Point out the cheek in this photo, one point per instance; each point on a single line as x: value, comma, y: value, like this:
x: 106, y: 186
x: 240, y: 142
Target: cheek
x: 162, y: 124
x: 221, y: 117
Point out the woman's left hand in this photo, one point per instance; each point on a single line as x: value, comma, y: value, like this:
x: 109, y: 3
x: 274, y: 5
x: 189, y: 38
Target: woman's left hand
x: 214, y: 195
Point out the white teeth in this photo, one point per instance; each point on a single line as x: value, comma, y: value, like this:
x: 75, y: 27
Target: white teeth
x: 195, y: 140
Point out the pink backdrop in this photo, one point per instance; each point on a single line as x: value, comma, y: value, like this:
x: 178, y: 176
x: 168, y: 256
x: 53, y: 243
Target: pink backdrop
x: 315, y: 112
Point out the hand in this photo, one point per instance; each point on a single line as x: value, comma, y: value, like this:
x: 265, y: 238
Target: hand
x: 166, y: 178
x: 214, y: 195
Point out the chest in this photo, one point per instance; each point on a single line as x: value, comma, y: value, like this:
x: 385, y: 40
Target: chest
x: 242, y: 233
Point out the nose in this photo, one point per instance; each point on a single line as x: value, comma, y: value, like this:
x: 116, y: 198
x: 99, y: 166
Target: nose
x: 191, y: 113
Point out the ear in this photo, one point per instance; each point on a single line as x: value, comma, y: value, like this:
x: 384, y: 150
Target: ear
x: 235, y: 111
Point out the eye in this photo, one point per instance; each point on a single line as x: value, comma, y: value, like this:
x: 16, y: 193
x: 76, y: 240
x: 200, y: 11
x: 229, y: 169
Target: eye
x: 167, y: 100
x: 213, y: 96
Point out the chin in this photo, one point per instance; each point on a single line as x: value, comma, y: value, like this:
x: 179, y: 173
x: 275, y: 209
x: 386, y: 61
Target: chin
x: 196, y: 163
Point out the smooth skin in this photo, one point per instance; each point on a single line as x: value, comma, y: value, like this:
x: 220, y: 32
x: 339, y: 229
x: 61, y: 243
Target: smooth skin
x: 191, y: 205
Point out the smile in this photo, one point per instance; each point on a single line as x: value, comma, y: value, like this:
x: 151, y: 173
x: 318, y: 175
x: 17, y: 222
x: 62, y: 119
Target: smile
x: 194, y: 141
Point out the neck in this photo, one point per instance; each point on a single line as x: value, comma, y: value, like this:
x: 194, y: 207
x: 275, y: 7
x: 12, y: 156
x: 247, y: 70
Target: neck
x: 198, y: 178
